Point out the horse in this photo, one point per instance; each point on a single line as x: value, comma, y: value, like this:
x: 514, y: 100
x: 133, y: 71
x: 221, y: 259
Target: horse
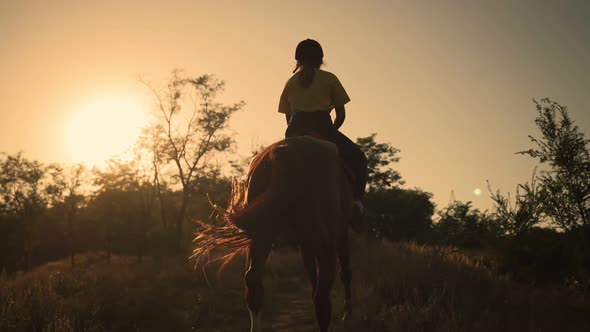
x: 295, y: 188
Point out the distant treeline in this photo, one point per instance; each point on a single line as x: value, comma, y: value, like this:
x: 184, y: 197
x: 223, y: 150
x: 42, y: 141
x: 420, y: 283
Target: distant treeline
x: 144, y: 205
x: 540, y: 235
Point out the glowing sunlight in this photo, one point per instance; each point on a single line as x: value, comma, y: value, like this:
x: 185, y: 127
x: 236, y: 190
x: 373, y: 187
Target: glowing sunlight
x: 104, y: 127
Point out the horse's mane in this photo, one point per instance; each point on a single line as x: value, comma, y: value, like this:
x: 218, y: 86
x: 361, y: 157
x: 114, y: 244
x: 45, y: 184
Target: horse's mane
x: 261, y: 156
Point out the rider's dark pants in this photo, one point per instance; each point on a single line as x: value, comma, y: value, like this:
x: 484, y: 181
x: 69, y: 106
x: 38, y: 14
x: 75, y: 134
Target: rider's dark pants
x: 321, y: 123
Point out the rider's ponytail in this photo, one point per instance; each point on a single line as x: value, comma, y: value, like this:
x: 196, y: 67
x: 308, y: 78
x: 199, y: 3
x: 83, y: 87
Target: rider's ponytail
x: 309, y: 56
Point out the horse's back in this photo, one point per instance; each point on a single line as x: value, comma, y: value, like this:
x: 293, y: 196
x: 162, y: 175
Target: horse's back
x: 304, y: 176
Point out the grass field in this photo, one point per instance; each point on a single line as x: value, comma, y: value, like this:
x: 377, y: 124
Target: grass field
x: 397, y: 287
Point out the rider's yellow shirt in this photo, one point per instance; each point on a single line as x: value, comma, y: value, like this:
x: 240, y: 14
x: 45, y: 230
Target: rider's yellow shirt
x: 324, y: 93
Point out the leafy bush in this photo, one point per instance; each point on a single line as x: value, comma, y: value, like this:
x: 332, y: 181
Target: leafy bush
x: 399, y: 214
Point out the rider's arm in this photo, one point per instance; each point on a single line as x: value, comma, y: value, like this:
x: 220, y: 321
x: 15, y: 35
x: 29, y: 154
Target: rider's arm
x: 340, y: 116
x: 339, y: 98
x: 284, y: 106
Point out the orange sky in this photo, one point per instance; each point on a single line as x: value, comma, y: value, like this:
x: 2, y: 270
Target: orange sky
x: 449, y: 84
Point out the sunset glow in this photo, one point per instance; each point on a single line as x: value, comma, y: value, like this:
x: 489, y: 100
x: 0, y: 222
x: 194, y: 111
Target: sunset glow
x: 378, y: 165
x: 449, y: 84
x: 104, y: 127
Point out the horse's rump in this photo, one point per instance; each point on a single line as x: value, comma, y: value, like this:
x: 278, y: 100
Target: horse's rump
x: 296, y: 185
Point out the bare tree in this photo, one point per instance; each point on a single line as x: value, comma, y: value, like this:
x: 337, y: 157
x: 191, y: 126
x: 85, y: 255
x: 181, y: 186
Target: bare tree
x: 192, y: 123
x: 151, y: 151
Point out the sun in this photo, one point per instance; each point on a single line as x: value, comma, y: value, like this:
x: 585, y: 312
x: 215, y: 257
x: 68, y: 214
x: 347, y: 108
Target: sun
x: 477, y: 192
x: 104, y: 127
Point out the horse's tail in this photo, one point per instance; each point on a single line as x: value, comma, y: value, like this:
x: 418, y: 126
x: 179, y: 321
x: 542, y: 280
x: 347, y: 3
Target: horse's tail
x: 247, y: 216
x: 228, y: 236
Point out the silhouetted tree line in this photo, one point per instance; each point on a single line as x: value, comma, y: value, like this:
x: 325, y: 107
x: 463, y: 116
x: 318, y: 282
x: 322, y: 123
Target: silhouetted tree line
x: 542, y: 234
x: 46, y: 212
x: 144, y: 205
x: 138, y: 206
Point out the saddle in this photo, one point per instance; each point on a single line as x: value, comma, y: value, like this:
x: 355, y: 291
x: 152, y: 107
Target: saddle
x: 317, y: 137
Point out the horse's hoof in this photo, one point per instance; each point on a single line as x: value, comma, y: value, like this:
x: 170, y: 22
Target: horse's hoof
x: 347, y: 313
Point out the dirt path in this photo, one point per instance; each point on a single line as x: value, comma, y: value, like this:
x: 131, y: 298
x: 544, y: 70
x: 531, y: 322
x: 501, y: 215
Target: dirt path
x: 289, y: 309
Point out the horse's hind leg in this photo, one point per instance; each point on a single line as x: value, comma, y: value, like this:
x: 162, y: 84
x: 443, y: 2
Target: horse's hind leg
x: 257, y: 255
x: 345, y: 272
x: 326, y: 262
x: 311, y: 269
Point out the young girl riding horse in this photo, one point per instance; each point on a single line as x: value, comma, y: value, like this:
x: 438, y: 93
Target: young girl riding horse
x: 307, y: 100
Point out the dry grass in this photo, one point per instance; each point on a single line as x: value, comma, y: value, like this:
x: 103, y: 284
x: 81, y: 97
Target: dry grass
x: 120, y: 296
x: 411, y: 287
x: 397, y: 287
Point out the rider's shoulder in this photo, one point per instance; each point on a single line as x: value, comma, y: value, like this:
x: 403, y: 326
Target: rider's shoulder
x: 323, y: 75
x: 327, y: 76
x: 326, y: 73
x: 293, y: 78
